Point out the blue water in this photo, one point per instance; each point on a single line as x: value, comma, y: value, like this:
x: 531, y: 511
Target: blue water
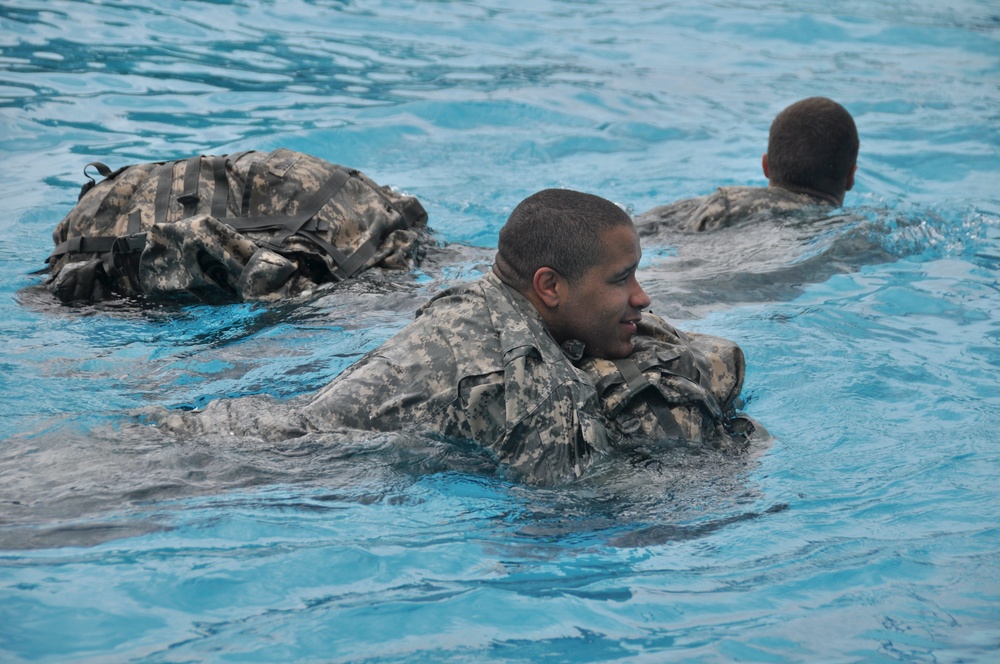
x: 868, y: 530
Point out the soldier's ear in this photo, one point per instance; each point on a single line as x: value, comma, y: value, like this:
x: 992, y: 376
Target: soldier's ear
x: 547, y: 284
x: 763, y: 165
x: 850, y: 178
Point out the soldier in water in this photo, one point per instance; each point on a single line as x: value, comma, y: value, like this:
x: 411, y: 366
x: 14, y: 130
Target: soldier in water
x: 535, y: 362
x: 810, y: 162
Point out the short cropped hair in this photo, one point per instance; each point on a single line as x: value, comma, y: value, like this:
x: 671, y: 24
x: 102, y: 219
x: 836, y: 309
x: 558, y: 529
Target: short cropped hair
x: 557, y: 228
x: 812, y: 144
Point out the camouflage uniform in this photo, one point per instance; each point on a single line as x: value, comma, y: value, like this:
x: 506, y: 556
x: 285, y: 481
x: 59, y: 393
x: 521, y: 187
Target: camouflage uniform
x: 727, y: 206
x: 477, y: 363
x: 675, y: 386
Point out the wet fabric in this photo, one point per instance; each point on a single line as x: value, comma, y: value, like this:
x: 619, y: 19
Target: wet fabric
x: 727, y: 206
x: 244, y: 227
x: 478, y: 364
x: 679, y: 386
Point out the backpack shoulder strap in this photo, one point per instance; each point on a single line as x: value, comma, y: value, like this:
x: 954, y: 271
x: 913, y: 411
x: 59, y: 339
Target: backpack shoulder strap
x: 637, y: 383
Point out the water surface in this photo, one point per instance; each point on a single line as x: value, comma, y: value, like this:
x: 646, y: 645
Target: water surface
x: 866, y: 531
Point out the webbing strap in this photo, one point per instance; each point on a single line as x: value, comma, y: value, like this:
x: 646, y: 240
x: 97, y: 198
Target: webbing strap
x: 163, y: 186
x: 637, y: 383
x: 312, y: 205
x: 350, y: 264
x: 340, y: 259
x: 134, y: 222
x: 360, y: 256
x: 81, y: 245
x: 220, y: 194
x: 123, y: 258
x: 102, y: 169
x: 265, y: 223
x: 248, y: 186
x: 98, y: 244
x: 192, y: 181
x: 630, y: 372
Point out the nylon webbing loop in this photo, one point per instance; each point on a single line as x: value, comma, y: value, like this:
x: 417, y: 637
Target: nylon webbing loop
x: 123, y: 258
x: 134, y: 222
x: 102, y: 169
x: 82, y: 245
x: 192, y: 180
x: 220, y: 194
x: 163, y: 187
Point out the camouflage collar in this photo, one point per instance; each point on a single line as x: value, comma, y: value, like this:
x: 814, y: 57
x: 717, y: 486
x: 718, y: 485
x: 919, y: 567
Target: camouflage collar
x: 814, y: 196
x: 521, y: 327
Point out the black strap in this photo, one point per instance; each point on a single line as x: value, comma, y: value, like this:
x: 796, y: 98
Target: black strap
x: 103, y: 170
x: 192, y: 181
x: 124, y: 258
x: 360, y: 256
x: 98, y: 244
x: 345, y: 265
x: 338, y: 256
x: 81, y: 245
x: 220, y: 193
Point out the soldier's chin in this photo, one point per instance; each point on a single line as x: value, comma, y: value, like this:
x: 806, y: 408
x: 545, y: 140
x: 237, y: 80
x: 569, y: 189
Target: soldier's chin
x: 620, y: 352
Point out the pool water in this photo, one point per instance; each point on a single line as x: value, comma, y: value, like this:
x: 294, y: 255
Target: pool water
x: 867, y: 530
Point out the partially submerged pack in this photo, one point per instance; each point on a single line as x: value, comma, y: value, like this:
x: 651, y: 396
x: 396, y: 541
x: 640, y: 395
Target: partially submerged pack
x: 674, y: 386
x: 238, y: 227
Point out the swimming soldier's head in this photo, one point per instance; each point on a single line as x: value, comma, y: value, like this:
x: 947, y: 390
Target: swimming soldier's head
x: 574, y: 256
x: 813, y: 148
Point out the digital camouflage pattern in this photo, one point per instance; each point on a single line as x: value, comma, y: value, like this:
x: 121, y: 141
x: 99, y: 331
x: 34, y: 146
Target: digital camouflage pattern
x: 675, y: 385
x: 246, y: 226
x: 477, y: 363
x: 727, y: 206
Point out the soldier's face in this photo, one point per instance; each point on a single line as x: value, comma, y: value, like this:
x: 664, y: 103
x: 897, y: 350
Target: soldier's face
x: 601, y: 307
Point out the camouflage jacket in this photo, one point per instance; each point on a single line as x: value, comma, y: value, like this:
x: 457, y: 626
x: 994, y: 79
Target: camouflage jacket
x: 477, y: 363
x: 675, y: 386
x: 727, y: 206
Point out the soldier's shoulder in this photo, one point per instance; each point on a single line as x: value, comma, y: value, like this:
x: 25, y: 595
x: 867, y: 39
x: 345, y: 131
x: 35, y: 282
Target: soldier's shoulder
x: 672, y: 215
x: 753, y: 200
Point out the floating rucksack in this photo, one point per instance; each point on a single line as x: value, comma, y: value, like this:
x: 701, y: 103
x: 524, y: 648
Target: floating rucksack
x: 238, y: 227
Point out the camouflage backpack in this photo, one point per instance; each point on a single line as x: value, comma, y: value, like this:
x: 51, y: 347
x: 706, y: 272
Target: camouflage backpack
x: 245, y: 226
x: 675, y: 385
